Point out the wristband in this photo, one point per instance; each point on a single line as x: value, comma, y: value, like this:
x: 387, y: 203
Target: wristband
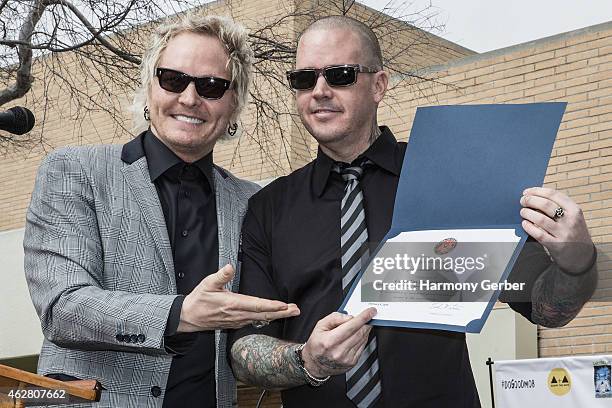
x: 310, y: 379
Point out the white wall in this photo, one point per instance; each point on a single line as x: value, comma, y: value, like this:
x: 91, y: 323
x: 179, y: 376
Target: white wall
x: 20, y: 333
x: 505, y: 336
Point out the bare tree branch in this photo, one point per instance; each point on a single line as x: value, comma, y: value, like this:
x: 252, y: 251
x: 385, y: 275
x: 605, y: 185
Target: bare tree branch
x: 96, y: 33
x: 84, y: 54
x: 3, y: 4
x: 23, y: 81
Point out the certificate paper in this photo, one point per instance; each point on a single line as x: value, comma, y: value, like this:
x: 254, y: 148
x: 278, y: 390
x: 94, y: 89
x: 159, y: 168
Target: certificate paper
x: 409, y: 290
x: 456, y: 228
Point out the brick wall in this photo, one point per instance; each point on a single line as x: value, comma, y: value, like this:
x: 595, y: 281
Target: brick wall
x: 263, y: 152
x: 575, y: 67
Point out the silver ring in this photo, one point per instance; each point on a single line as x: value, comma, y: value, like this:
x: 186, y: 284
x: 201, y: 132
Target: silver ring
x: 559, y: 212
x: 258, y: 324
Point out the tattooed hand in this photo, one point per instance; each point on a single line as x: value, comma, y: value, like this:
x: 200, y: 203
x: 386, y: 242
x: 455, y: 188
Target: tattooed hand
x: 336, y: 343
x: 334, y: 346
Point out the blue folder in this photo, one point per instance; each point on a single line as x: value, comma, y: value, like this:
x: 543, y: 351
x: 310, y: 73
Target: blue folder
x: 466, y: 166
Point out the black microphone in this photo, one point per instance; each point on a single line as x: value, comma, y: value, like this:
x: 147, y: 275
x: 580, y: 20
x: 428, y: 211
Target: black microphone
x: 17, y: 120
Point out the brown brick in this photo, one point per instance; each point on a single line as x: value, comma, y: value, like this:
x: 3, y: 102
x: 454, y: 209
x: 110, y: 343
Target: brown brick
x: 570, y: 67
x: 604, y: 195
x: 524, y: 69
x: 606, y: 168
x: 518, y: 86
x: 583, y: 173
x: 589, y: 120
x: 573, y: 149
x: 557, y: 160
x: 571, y: 133
x: 537, y: 57
x: 540, y: 89
x: 600, y: 60
x: 599, y: 93
x: 601, y: 161
x: 573, y: 89
x: 550, y: 96
x: 552, y: 178
x: 589, y: 137
x: 573, y: 183
x: 564, y: 168
x: 601, y: 126
x: 510, y: 96
x: 509, y: 81
x: 600, y: 110
x: 600, y: 178
x: 577, y: 98
x: 577, y: 56
x: 607, y: 230
x: 602, y: 143
x: 584, y: 39
x: 549, y: 63
x: 584, y: 156
x: 599, y: 76
x: 586, y: 204
x: 548, y: 79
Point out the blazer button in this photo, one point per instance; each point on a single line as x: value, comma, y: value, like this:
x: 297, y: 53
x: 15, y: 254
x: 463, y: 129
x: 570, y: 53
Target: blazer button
x: 155, y: 391
x: 141, y: 338
x: 133, y: 338
x: 119, y: 338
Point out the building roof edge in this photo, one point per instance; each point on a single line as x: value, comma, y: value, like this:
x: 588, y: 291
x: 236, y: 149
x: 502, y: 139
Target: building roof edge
x: 518, y: 47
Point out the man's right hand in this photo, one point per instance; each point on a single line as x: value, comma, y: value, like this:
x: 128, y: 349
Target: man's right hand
x: 210, y: 306
x: 336, y: 343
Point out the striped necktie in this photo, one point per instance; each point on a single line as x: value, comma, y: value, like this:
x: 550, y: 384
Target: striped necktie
x: 363, y: 380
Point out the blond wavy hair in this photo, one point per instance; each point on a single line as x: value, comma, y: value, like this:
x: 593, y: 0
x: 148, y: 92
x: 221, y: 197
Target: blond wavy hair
x: 232, y: 35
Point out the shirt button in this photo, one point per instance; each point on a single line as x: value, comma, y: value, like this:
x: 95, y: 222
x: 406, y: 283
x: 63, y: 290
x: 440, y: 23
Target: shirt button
x: 185, y: 233
x: 181, y: 275
x: 186, y: 193
x: 155, y: 391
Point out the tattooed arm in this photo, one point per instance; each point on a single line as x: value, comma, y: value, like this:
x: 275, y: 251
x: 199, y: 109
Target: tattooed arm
x: 557, y: 296
x: 559, y: 293
x: 266, y: 362
x: 333, y: 347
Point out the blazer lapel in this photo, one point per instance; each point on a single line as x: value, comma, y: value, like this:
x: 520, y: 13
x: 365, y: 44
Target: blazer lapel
x: 228, y: 212
x: 144, y: 192
x: 225, y: 196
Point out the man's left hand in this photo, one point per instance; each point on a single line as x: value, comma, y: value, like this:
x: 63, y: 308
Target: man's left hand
x: 557, y: 222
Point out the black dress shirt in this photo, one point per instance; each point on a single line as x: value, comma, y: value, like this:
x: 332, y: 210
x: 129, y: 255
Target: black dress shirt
x: 291, y: 252
x: 186, y: 193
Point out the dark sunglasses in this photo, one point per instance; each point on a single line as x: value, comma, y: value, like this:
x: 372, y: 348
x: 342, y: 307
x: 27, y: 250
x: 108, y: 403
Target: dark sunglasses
x: 336, y: 75
x: 177, y: 81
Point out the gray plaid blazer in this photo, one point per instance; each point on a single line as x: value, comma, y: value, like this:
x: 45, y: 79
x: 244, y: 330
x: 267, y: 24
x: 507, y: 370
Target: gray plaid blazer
x: 99, y: 267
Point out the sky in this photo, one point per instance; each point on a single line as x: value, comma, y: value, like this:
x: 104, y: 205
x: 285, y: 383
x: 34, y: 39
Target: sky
x: 485, y: 25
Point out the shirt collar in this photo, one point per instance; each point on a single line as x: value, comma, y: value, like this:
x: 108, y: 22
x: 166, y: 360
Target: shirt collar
x: 160, y: 159
x: 384, y: 152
